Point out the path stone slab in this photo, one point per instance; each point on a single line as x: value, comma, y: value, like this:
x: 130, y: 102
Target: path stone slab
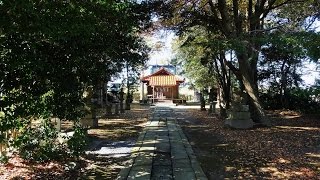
x: 143, y: 161
x: 179, y: 155
x: 181, y: 163
x: 163, y: 134
x: 163, y: 147
x: 162, y: 151
x: 139, y: 175
x: 162, y: 173
x: 142, y: 168
x: 183, y: 174
x: 162, y: 159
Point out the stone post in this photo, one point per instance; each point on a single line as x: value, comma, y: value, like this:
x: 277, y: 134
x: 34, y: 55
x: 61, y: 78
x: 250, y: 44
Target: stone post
x: 109, y: 108
x: 128, y: 99
x: 121, y: 93
x: 116, y: 108
x: 108, y: 105
x: 152, y: 94
x: 57, y: 122
x: 101, y: 97
x: 239, y: 115
x: 211, y: 106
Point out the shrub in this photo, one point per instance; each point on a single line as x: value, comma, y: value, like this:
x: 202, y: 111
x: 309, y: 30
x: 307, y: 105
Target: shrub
x: 78, y: 142
x: 39, y: 143
x: 304, y: 100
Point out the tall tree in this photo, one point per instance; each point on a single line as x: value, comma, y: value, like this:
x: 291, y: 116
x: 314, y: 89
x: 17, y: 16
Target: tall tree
x: 191, y: 49
x: 280, y: 61
x: 204, y: 61
x: 51, y: 51
x: 242, y: 25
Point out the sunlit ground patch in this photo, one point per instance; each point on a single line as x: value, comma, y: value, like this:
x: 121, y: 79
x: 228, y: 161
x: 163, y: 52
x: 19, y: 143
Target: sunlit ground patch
x: 113, y: 149
x: 298, y: 128
x: 316, y: 155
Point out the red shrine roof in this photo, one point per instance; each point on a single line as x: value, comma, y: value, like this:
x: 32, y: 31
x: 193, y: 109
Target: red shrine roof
x: 162, y: 77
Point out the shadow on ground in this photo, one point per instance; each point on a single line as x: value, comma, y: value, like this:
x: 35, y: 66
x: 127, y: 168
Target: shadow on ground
x: 290, y: 149
x: 110, y: 144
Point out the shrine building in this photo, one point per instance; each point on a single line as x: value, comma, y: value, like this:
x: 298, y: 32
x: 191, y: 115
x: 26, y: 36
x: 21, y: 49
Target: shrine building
x: 161, y: 85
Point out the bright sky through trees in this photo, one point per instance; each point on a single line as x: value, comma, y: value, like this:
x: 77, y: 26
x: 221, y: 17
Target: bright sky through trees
x: 162, y: 42
x: 162, y: 52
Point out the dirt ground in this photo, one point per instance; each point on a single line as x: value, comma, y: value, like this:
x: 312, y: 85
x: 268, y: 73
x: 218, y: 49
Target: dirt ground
x: 290, y: 149
x: 125, y: 127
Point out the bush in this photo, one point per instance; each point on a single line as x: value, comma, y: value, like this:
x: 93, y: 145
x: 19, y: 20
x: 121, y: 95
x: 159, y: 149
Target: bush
x: 39, y: 143
x: 271, y: 101
x: 4, y: 159
x: 304, y: 100
x: 78, y: 142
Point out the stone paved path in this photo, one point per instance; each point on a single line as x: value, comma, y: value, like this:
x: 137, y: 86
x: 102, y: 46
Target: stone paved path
x: 162, y: 151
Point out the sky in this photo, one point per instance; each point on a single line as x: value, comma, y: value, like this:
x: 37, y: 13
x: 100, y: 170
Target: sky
x: 310, y: 72
x: 161, y: 41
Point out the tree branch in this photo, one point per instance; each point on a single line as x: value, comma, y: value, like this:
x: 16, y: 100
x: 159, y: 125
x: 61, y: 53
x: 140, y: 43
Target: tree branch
x: 215, y: 14
x: 222, y: 7
x: 235, y: 70
x: 271, y: 7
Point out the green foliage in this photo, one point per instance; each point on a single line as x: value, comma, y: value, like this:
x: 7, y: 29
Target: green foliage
x: 280, y: 65
x: 304, y: 100
x: 244, y: 27
x: 192, y: 50
x: 307, y: 100
x: 281, y: 58
x: 310, y: 42
x: 39, y: 143
x: 4, y: 159
x: 51, y: 51
x: 78, y: 142
x: 64, y: 46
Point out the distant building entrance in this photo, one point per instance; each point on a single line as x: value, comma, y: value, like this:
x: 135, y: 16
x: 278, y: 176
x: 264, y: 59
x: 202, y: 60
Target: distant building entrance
x: 161, y: 85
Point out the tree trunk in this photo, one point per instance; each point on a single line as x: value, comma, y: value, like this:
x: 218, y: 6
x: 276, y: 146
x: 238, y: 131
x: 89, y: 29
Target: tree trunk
x: 250, y: 85
x: 94, y: 105
x: 128, y: 100
x: 224, y: 83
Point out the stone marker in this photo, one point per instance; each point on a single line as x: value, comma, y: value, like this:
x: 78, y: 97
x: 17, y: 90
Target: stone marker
x: 57, y: 124
x: 212, y: 108
x: 239, y: 117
